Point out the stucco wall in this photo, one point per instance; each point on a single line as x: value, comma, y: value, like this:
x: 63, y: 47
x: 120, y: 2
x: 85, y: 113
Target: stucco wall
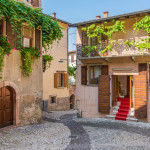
x: 88, y: 95
x: 58, y: 51
x: 30, y: 88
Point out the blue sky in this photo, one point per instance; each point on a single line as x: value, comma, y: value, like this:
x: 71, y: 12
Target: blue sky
x: 74, y: 11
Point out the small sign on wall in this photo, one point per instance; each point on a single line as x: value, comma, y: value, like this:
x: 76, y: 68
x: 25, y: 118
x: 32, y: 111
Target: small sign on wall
x: 26, y: 42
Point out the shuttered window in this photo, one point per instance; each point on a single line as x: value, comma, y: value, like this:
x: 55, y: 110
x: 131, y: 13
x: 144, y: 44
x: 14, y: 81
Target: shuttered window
x: 12, y: 36
x: 37, y: 38
x: 104, y: 69
x: 35, y: 3
x: 60, y: 80
x: 84, y: 75
x: 72, y: 58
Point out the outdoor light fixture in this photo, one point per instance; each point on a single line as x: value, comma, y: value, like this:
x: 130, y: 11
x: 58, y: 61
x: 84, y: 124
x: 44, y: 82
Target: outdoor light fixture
x: 62, y: 60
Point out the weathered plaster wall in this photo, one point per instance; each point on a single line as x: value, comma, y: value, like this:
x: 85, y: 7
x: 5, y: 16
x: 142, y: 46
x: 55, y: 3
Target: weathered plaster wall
x: 58, y: 51
x: 30, y: 88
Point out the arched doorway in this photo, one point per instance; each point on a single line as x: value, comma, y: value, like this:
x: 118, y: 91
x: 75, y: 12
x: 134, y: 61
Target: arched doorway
x: 6, y: 106
x: 72, y: 97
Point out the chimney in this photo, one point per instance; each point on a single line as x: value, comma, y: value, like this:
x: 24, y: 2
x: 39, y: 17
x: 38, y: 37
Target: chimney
x: 54, y: 15
x: 98, y: 17
x: 105, y: 14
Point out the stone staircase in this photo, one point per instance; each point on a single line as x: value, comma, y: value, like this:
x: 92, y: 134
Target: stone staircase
x: 118, y: 107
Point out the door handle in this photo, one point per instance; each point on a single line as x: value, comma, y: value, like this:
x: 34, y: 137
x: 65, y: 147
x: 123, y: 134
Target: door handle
x: 4, y: 107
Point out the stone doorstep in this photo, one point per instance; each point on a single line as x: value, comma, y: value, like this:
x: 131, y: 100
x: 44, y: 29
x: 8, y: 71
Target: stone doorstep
x: 129, y: 115
x: 128, y: 118
x: 8, y: 127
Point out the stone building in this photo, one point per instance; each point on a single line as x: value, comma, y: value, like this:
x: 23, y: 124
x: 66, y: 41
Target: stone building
x: 113, y: 84
x: 20, y: 96
x: 55, y: 77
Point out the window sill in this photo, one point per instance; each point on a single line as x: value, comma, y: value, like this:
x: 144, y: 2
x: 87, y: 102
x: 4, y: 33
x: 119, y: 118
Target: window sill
x: 60, y: 87
x: 94, y: 85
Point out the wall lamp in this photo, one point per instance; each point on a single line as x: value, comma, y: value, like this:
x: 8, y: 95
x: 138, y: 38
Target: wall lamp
x: 62, y: 60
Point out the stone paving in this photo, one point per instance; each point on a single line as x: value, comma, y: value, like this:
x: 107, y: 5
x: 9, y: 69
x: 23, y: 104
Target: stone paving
x: 64, y: 131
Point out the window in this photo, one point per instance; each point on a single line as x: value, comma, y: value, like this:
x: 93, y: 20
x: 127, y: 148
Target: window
x: 27, y: 34
x: 26, y: 42
x: 94, y: 72
x: 53, y: 99
x: 72, y: 58
x: 60, y: 80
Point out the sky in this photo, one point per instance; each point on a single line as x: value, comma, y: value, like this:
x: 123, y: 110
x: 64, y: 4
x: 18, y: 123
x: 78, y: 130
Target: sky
x: 74, y: 11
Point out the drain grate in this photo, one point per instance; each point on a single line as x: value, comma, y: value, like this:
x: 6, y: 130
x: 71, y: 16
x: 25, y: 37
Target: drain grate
x: 73, y: 136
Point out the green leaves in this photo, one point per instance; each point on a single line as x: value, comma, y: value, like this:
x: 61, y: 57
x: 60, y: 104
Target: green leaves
x: 27, y: 54
x: 19, y: 13
x: 103, y: 29
x: 72, y: 72
x: 143, y: 24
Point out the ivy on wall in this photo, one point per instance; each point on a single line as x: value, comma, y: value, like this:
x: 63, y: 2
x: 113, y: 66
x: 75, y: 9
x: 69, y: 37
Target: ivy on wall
x: 18, y: 13
x: 118, y: 26
x: 46, y: 61
x: 5, y: 48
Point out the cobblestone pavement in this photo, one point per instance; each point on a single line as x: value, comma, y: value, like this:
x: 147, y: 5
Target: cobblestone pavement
x: 64, y: 131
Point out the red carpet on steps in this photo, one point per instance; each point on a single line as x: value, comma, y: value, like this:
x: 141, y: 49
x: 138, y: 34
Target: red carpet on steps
x: 123, y: 109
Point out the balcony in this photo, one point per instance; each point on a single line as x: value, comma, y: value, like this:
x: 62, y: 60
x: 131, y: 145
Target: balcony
x: 82, y: 51
x: 119, y: 50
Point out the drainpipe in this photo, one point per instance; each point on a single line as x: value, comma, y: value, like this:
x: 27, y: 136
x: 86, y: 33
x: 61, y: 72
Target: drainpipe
x: 67, y: 59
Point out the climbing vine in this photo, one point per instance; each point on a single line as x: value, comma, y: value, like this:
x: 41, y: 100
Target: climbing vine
x: 18, y: 13
x: 47, y: 61
x: 27, y: 55
x: 143, y: 43
x: 103, y: 29
x: 5, y: 48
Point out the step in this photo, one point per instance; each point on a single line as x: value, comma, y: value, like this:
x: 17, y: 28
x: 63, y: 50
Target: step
x: 121, y: 114
x: 132, y: 119
x: 128, y: 118
x: 110, y: 116
x: 129, y: 114
x: 120, y: 118
x: 123, y: 109
x: 124, y: 106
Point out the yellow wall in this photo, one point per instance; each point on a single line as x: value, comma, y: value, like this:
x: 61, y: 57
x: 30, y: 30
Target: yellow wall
x: 58, y: 51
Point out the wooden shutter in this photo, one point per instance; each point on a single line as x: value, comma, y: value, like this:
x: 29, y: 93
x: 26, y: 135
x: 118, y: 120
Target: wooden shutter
x: 140, y: 96
x: 143, y: 69
x: 104, y: 69
x: 84, y: 39
x: 55, y: 80
x: 1, y: 27
x: 84, y: 75
x: 65, y: 79
x: 35, y: 3
x: 72, y: 58
x: 12, y: 36
x: 104, y: 94
x: 37, y: 38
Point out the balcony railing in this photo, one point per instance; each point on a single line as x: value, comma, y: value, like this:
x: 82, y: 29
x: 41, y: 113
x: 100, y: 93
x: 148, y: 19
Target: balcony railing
x: 118, y: 50
x: 82, y: 50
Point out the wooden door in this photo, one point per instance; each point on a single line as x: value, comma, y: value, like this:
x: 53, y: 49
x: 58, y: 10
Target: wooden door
x: 140, y: 96
x: 6, y: 107
x: 104, y: 94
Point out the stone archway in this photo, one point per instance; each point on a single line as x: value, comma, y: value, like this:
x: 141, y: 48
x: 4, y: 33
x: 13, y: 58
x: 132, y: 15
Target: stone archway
x: 16, y: 100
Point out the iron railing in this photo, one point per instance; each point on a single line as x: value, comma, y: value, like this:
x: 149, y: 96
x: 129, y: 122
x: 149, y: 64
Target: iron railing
x: 82, y: 50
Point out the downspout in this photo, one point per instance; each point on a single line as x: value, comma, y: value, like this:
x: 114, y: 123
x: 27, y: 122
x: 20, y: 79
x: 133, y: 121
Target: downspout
x: 67, y: 59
